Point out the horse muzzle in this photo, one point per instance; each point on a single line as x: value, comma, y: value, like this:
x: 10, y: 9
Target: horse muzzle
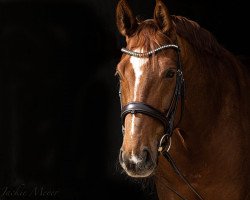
x: 137, y: 165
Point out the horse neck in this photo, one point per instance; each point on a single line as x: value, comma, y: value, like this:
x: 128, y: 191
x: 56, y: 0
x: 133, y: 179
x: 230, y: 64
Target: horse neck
x: 214, y: 89
x: 212, y: 128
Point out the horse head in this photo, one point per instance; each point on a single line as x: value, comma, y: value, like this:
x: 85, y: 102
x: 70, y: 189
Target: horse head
x: 150, y: 84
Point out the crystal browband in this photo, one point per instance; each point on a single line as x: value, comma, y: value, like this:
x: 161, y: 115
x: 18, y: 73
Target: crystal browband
x: 149, y: 53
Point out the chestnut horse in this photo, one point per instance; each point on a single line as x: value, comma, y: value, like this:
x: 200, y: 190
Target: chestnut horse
x: 206, y: 131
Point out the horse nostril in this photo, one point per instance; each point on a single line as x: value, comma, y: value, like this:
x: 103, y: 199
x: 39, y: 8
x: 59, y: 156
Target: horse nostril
x: 146, y: 155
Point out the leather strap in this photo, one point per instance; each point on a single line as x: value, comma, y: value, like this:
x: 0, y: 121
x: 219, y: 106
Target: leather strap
x: 140, y: 107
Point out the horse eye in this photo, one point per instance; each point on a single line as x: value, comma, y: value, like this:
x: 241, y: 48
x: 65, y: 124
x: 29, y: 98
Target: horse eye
x: 170, y: 73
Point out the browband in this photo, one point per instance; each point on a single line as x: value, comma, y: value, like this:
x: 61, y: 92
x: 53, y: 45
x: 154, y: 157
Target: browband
x: 149, y: 53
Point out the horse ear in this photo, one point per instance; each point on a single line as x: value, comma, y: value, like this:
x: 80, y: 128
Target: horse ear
x: 125, y: 20
x: 162, y: 16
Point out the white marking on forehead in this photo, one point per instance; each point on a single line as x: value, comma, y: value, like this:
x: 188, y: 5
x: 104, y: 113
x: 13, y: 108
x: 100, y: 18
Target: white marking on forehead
x: 137, y: 64
x: 135, y: 159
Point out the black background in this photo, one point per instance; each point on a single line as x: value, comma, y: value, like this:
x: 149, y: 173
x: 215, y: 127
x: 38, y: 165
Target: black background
x: 59, y: 105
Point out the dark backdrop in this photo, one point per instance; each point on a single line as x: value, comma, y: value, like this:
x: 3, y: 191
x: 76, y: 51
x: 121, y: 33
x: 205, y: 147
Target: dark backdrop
x: 59, y: 106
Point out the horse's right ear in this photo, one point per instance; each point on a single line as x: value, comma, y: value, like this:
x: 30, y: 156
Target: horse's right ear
x: 125, y: 20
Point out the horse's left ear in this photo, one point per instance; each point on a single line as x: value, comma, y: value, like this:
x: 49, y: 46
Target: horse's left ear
x: 162, y: 16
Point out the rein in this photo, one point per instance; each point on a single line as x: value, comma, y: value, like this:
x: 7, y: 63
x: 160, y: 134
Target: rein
x: 167, y: 119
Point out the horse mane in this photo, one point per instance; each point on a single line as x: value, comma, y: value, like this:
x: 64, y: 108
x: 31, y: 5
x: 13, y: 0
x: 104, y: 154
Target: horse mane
x: 205, y: 45
x: 201, y: 40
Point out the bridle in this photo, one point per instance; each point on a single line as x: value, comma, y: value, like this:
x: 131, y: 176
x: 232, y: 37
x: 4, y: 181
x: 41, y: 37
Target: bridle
x: 167, y: 119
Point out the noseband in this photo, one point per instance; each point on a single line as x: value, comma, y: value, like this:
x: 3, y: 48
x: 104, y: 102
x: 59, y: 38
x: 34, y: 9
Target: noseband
x: 167, y: 119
